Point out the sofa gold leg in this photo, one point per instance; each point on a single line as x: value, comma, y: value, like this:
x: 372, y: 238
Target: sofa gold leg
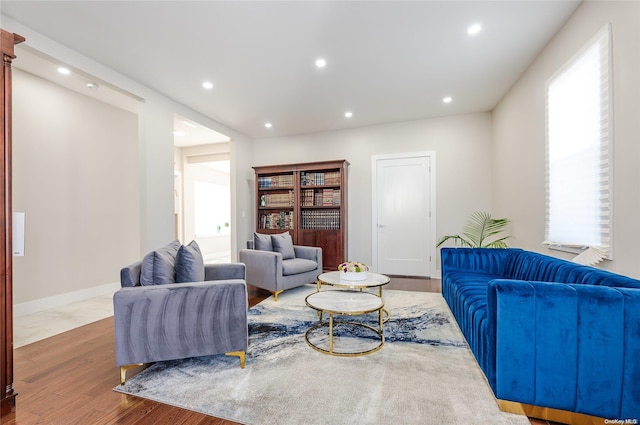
x: 275, y: 295
x: 549, y: 414
x: 124, y: 369
x: 240, y: 354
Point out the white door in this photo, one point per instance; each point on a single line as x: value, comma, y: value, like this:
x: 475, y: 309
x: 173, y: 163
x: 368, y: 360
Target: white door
x: 402, y: 214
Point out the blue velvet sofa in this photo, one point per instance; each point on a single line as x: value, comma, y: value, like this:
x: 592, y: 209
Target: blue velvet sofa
x: 547, y: 332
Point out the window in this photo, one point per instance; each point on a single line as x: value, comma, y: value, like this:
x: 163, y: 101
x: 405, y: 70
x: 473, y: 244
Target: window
x: 578, y: 142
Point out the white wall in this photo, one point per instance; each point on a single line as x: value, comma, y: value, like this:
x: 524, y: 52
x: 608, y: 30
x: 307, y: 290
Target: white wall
x: 75, y: 176
x: 155, y: 135
x: 242, y: 196
x: 463, y: 151
x: 519, y: 133
x: 155, y: 153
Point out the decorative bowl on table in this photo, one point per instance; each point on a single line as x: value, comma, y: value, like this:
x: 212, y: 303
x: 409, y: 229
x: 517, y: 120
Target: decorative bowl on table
x: 353, y: 270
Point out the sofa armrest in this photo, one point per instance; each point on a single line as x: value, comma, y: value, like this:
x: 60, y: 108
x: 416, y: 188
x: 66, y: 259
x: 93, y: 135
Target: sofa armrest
x: 130, y: 275
x: 565, y: 346
x: 312, y: 253
x: 174, y: 321
x: 224, y: 271
x: 263, y: 267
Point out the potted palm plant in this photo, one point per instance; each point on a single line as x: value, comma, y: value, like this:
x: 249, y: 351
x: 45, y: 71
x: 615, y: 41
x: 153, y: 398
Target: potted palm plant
x: 481, y: 231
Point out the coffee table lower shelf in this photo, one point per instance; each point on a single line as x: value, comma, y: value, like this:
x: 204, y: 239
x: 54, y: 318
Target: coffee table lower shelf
x: 348, y: 303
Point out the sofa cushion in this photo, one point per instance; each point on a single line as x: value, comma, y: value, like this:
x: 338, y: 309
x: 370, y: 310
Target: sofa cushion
x: 262, y: 242
x: 189, y: 264
x: 283, y: 244
x: 297, y: 265
x: 159, y: 266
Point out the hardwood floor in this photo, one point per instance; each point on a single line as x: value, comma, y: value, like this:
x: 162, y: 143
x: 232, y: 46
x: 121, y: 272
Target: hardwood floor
x: 68, y: 378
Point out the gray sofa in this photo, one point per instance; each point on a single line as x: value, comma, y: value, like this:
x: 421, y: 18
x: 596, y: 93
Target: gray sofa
x: 275, y: 264
x: 157, y: 320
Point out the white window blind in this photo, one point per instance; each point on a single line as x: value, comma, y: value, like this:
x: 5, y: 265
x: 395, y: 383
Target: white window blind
x: 578, y: 166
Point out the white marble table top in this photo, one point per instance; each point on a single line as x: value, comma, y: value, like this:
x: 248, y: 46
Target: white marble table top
x: 344, y: 302
x: 372, y: 280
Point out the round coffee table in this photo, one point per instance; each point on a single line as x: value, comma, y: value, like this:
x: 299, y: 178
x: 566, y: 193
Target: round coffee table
x: 348, y: 303
x: 373, y: 280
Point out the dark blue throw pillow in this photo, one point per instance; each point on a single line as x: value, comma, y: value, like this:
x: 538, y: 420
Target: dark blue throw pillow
x: 189, y: 264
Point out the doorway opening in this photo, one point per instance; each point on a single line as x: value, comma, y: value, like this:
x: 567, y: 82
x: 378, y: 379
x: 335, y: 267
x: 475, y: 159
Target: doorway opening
x: 203, y: 189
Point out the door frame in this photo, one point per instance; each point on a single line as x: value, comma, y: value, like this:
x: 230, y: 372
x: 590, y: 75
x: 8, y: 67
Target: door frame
x: 432, y: 203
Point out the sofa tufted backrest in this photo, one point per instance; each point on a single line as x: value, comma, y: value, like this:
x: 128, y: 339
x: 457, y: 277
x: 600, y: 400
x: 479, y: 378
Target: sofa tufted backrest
x: 532, y: 266
x: 491, y: 261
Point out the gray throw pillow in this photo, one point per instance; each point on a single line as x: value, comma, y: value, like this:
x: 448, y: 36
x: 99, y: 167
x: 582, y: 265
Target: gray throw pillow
x: 262, y: 242
x: 189, y: 264
x: 159, y: 266
x: 283, y: 244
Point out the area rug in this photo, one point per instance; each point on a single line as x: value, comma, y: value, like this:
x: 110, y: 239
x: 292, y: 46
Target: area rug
x: 424, y: 373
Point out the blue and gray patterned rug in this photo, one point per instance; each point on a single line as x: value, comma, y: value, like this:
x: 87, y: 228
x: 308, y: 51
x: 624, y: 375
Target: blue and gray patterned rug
x: 424, y: 373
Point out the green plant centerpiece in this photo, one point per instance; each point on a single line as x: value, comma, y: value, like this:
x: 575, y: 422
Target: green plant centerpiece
x: 353, y: 270
x: 481, y: 231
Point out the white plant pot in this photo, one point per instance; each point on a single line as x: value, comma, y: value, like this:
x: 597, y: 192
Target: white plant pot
x: 353, y: 276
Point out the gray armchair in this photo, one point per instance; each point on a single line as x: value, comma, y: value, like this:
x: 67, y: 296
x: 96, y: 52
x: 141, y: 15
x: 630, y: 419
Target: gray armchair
x: 277, y: 270
x: 157, y: 322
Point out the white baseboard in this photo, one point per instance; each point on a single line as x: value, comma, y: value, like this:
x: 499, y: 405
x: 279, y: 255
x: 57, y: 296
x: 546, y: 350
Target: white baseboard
x: 43, y: 304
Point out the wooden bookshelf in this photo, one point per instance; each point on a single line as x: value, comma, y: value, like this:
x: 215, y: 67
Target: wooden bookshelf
x: 309, y: 200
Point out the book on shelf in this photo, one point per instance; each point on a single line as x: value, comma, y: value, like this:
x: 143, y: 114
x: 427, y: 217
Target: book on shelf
x: 282, y: 180
x: 321, y: 197
x: 336, y: 197
x: 277, y: 220
x: 277, y: 200
x: 307, y: 197
x: 321, y: 220
x: 324, y: 178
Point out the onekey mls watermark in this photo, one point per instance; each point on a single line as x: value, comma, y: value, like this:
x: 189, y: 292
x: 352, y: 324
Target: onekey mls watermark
x: 621, y: 421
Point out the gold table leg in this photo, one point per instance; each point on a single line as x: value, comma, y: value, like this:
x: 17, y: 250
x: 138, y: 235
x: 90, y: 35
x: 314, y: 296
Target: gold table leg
x: 331, y: 332
x: 380, y: 318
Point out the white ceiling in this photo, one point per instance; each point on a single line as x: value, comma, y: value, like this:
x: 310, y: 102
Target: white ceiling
x: 190, y: 133
x: 387, y: 61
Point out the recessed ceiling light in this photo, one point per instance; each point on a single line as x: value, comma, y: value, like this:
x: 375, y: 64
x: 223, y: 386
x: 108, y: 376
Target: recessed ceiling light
x: 447, y: 99
x: 64, y: 71
x: 268, y: 125
x: 348, y: 114
x: 321, y: 63
x: 474, y: 29
x: 92, y: 86
x: 207, y: 85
